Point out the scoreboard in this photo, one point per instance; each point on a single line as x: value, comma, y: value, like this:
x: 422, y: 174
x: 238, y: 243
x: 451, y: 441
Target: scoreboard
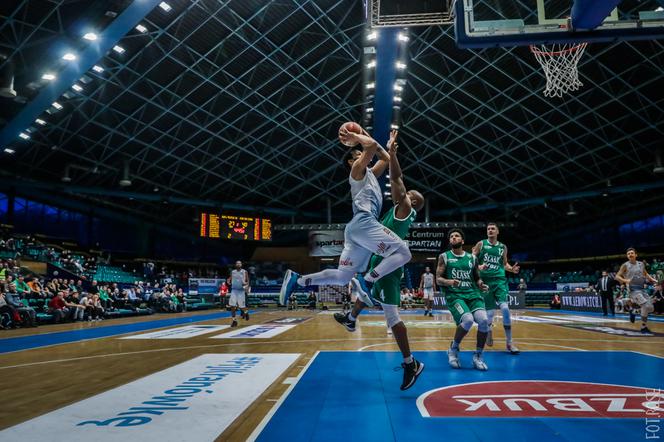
x: 223, y: 226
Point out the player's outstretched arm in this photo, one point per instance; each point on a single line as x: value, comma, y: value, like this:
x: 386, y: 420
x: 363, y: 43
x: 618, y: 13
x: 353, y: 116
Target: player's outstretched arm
x: 478, y: 279
x: 383, y: 160
x: 397, y: 186
x: 477, y: 248
x: 508, y: 267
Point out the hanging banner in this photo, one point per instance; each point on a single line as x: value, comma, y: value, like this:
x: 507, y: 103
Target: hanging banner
x: 204, y: 286
x: 426, y: 240
x: 326, y: 242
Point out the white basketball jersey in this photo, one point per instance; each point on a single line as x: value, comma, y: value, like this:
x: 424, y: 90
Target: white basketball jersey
x: 237, y: 279
x: 635, y: 273
x: 428, y: 280
x: 366, y: 194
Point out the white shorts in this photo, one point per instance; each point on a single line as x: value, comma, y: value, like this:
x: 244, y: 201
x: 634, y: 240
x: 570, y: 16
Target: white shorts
x: 363, y: 237
x: 638, y: 297
x: 428, y: 292
x: 236, y: 298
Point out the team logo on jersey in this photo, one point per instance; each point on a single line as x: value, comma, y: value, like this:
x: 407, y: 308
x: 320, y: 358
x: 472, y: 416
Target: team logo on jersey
x: 346, y: 262
x: 529, y: 398
x: 382, y: 248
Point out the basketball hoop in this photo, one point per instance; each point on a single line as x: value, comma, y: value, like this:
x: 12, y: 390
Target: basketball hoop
x: 560, y: 66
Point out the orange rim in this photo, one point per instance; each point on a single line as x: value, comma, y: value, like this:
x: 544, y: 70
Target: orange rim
x: 536, y: 50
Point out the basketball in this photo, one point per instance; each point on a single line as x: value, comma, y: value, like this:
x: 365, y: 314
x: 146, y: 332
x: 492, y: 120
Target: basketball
x: 350, y: 126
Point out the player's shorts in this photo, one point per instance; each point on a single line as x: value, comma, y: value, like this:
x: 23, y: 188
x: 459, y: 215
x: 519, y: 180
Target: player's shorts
x: 459, y: 306
x: 427, y: 293
x: 236, y: 298
x: 638, y: 297
x: 365, y: 236
x: 388, y: 288
x: 497, y: 294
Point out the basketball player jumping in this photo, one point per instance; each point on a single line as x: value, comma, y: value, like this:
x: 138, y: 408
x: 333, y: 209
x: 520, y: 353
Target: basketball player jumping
x: 386, y: 291
x: 459, y: 276
x: 428, y: 287
x: 492, y: 258
x: 634, y: 275
x: 363, y: 235
x: 239, y: 282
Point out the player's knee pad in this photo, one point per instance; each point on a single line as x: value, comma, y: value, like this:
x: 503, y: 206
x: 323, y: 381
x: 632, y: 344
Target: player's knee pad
x: 466, y: 321
x: 482, y: 320
x: 489, y: 315
x: 391, y: 315
x: 505, y: 311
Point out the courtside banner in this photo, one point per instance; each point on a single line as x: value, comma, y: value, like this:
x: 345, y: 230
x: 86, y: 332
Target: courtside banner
x: 256, y: 332
x: 326, y: 242
x: 185, y: 332
x: 193, y: 401
x: 288, y: 321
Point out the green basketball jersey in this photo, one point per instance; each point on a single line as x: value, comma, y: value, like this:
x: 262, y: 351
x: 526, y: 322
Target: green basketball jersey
x: 492, y: 256
x: 398, y: 226
x: 460, y: 268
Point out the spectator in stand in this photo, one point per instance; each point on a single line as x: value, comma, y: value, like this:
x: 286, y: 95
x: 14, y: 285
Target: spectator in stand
x: 104, y: 297
x: 658, y: 299
x: 292, y: 302
x: 182, y: 300
x: 75, y: 306
x: 36, y: 288
x: 120, y: 298
x: 62, y: 285
x: 555, y: 302
x: 312, y: 300
x: 132, y: 300
x: 22, y: 288
x: 522, y: 287
x: 97, y: 309
x: 71, y: 286
x: 79, y: 286
x: 28, y: 315
x: 94, y: 288
x: 6, y: 313
x: 52, y: 286
x: 58, y: 307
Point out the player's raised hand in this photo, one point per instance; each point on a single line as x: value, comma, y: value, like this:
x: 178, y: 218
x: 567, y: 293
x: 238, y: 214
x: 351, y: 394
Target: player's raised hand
x: 364, y: 139
x: 392, y: 145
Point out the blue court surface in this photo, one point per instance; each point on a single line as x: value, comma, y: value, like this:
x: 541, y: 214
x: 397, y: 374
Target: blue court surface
x: 625, y: 316
x: 355, y: 396
x: 34, y: 341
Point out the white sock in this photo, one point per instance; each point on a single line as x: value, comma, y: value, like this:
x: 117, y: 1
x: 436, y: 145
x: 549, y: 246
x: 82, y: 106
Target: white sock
x: 329, y: 276
x: 351, y: 317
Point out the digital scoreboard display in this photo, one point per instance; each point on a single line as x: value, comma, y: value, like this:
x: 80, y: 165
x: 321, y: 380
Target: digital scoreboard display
x: 223, y: 226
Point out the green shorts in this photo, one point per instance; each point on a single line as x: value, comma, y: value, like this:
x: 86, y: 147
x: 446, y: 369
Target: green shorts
x: 459, y: 306
x: 388, y: 288
x: 497, y: 294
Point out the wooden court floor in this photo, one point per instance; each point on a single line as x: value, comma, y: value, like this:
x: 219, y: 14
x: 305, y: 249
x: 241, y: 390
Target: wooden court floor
x: 51, y: 377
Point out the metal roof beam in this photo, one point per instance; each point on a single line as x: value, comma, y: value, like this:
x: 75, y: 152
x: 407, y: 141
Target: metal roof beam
x: 126, y: 21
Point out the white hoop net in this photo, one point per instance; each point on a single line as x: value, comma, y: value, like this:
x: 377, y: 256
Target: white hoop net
x: 560, y: 66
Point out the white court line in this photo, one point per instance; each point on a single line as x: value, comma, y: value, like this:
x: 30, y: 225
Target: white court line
x: 431, y: 340
x: 257, y: 431
x: 81, y: 358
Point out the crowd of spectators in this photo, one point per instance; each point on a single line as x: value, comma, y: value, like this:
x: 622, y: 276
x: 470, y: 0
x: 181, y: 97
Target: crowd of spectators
x: 69, y: 300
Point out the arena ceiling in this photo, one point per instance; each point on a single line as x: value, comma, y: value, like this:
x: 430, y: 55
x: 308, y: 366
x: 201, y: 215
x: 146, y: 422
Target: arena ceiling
x: 240, y: 101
